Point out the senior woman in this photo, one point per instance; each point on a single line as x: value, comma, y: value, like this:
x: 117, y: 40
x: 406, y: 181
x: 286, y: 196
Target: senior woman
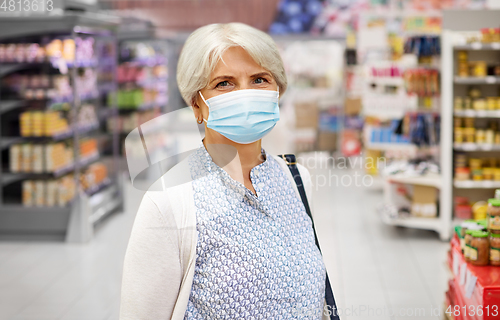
x: 235, y: 241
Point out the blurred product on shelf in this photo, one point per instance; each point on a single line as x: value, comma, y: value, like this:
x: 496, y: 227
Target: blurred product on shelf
x: 477, y: 169
x: 422, y: 82
x: 423, y: 46
x: 141, y: 74
x: 475, y: 101
x: 135, y: 98
x: 52, y: 123
x: 88, y: 148
x: 39, y: 158
x: 38, y: 86
x: 128, y: 122
x: 466, y: 131
x: 54, y: 87
x: 490, y: 35
x: 468, y: 68
x: 49, y: 193
x: 463, y: 208
x: 147, y: 52
x: 42, y: 123
x: 49, y: 158
x: 96, y: 174
x: 78, y: 50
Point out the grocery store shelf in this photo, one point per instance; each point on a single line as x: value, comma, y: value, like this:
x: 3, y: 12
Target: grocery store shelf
x: 143, y: 107
x: 10, y: 177
x: 103, y: 211
x: 412, y: 222
x: 8, y: 141
x: 106, y: 87
x: 390, y: 146
x: 8, y: 105
x: 98, y: 188
x: 477, y: 80
x: 477, y: 113
x: 470, y: 184
x: 478, y: 46
x: 476, y: 147
x: 426, y: 180
x: 146, y: 62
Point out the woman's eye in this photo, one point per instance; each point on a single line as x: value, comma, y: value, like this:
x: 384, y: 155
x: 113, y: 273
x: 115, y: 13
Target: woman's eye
x: 260, y: 80
x: 222, y: 84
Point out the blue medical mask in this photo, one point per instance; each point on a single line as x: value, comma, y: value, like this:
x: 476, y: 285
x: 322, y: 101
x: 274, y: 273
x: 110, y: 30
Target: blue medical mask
x: 243, y: 116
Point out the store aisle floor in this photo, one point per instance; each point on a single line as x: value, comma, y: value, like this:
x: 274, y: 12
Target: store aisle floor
x: 377, y: 271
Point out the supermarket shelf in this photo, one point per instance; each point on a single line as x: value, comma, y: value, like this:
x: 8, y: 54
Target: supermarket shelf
x: 88, y: 160
x: 98, y: 188
x: 106, y: 87
x: 426, y: 180
x: 477, y: 80
x: 470, y: 184
x: 143, y: 107
x: 413, y: 222
x: 390, y: 146
x: 476, y: 147
x: 6, y: 69
x: 10, y: 177
x: 478, y: 46
x: 106, y: 209
x: 8, y: 141
x: 146, y: 62
x: 477, y: 113
x: 48, y: 223
x: 8, y: 105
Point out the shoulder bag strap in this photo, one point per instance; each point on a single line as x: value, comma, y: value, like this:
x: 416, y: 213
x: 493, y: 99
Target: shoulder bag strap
x: 292, y: 165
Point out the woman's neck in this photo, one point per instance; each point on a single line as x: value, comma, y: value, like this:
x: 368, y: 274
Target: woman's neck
x: 236, y: 159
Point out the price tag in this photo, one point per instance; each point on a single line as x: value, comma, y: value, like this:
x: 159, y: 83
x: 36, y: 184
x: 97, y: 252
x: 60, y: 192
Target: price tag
x: 487, y: 146
x: 470, y: 113
x: 463, y: 272
x: 481, y: 113
x: 491, y: 79
x: 456, y: 264
x: 470, y: 284
x: 476, y: 46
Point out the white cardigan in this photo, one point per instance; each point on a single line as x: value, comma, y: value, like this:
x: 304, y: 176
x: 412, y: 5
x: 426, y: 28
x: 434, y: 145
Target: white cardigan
x: 161, y: 254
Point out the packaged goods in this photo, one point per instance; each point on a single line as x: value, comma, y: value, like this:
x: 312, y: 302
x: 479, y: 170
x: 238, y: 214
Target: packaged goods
x: 26, y: 157
x: 15, y: 158
x: 27, y: 193
x: 479, y: 250
x: 495, y: 249
x: 480, y: 210
x: 39, y: 193
x: 37, y: 158
x: 494, y: 214
x: 51, y: 193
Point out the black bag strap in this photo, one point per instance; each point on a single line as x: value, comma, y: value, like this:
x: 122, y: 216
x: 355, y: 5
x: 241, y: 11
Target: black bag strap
x: 291, y: 162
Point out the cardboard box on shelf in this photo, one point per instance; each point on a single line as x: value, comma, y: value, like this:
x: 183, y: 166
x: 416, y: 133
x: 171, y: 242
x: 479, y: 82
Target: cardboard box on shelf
x: 327, y: 141
x: 424, y: 201
x: 306, y: 114
x: 352, y: 106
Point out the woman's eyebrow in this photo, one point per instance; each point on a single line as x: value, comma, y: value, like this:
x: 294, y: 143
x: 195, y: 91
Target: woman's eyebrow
x: 222, y: 78
x: 261, y: 74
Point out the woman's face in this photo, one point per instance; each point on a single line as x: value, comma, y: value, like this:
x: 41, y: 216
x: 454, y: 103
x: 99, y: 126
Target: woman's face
x: 235, y: 71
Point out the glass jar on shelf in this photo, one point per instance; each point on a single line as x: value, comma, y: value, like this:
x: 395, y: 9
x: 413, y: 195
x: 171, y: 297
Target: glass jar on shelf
x: 479, y: 251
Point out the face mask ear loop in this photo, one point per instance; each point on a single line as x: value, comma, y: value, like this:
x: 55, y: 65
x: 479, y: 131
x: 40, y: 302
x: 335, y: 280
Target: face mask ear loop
x: 205, y: 103
x: 203, y: 98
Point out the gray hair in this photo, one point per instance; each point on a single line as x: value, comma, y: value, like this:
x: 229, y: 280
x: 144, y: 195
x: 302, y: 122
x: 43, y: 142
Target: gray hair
x: 206, y: 45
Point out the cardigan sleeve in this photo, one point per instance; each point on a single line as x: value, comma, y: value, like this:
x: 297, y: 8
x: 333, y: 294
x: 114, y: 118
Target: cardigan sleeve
x: 152, y: 272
